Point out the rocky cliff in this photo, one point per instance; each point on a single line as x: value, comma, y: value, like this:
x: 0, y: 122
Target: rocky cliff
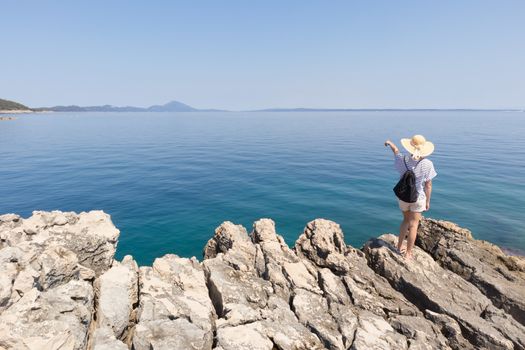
x: 60, y: 288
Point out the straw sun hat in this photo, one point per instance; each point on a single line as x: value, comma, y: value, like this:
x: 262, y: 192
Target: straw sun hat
x: 418, y: 146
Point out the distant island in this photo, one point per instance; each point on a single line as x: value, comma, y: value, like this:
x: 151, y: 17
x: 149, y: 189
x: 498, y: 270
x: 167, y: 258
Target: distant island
x: 7, y: 106
x: 173, y: 106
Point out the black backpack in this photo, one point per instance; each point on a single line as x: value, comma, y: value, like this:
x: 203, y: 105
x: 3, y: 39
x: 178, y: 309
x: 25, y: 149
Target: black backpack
x: 406, y: 187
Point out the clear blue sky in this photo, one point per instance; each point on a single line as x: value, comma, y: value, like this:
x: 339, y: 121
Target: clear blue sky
x: 256, y: 54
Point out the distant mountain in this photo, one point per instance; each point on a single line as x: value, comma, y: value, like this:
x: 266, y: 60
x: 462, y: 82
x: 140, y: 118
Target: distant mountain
x: 173, y: 106
x: 6, y: 105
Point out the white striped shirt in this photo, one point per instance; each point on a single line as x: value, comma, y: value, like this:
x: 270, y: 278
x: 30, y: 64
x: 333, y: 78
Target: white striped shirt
x: 424, y: 171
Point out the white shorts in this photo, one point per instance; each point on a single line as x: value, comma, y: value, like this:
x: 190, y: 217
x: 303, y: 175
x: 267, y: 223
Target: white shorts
x: 417, y: 207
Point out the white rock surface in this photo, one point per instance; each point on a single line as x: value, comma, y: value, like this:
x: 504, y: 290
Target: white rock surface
x: 48, y: 263
x: 60, y: 288
x: 104, y: 339
x: 173, y: 293
x: 117, y: 296
x: 58, y: 318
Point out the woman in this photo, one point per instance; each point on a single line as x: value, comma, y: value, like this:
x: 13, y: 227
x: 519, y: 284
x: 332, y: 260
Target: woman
x: 423, y: 168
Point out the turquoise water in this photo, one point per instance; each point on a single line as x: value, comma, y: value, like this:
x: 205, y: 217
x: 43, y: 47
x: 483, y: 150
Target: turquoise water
x: 168, y: 180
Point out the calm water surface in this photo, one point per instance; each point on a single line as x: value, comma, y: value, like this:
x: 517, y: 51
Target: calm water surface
x: 169, y: 179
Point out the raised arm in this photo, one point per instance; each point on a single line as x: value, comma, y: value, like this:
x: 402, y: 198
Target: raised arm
x: 392, y: 146
x: 428, y: 192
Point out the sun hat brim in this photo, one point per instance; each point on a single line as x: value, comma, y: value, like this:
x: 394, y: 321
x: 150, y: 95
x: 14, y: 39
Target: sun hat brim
x: 425, y: 149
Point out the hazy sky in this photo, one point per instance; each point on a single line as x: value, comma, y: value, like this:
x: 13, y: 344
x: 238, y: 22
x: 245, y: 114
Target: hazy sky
x: 257, y: 54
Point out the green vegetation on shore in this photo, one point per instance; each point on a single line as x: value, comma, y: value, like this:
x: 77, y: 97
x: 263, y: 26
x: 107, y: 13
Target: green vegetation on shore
x: 6, y: 105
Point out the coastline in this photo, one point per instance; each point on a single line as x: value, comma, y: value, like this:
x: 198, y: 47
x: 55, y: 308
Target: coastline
x: 16, y: 111
x: 513, y: 251
x: 61, y: 285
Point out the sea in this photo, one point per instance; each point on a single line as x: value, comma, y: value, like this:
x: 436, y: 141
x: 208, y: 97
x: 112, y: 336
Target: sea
x: 169, y: 179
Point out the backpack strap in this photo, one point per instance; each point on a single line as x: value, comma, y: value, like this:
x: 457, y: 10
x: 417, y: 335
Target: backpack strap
x: 405, y: 161
x: 406, y: 166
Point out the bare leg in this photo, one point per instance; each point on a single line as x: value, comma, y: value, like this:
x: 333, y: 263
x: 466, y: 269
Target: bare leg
x: 413, y: 223
x: 403, y: 231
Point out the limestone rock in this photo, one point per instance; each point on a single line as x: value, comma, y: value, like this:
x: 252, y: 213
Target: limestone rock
x: 238, y: 296
x: 429, y: 286
x: 246, y: 301
x: 7, y: 277
x: 450, y: 329
x: 104, y: 339
x: 61, y: 289
x: 91, y: 236
x: 367, y: 300
x: 243, y: 337
x: 174, y: 297
x: 330, y: 286
x: 374, y: 332
x: 58, y: 318
x: 495, y: 274
x: 312, y: 310
x: 57, y: 265
x: 48, y: 262
x: 166, y: 334
x: 26, y: 280
x: 235, y: 240
x: 272, y: 256
x: 323, y: 243
x: 117, y: 296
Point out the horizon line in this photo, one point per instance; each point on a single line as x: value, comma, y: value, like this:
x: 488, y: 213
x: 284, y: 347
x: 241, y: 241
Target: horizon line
x: 177, y: 106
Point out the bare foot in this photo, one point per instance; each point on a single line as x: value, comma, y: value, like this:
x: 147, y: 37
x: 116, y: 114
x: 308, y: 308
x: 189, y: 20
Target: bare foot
x: 409, y: 256
x: 401, y: 250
